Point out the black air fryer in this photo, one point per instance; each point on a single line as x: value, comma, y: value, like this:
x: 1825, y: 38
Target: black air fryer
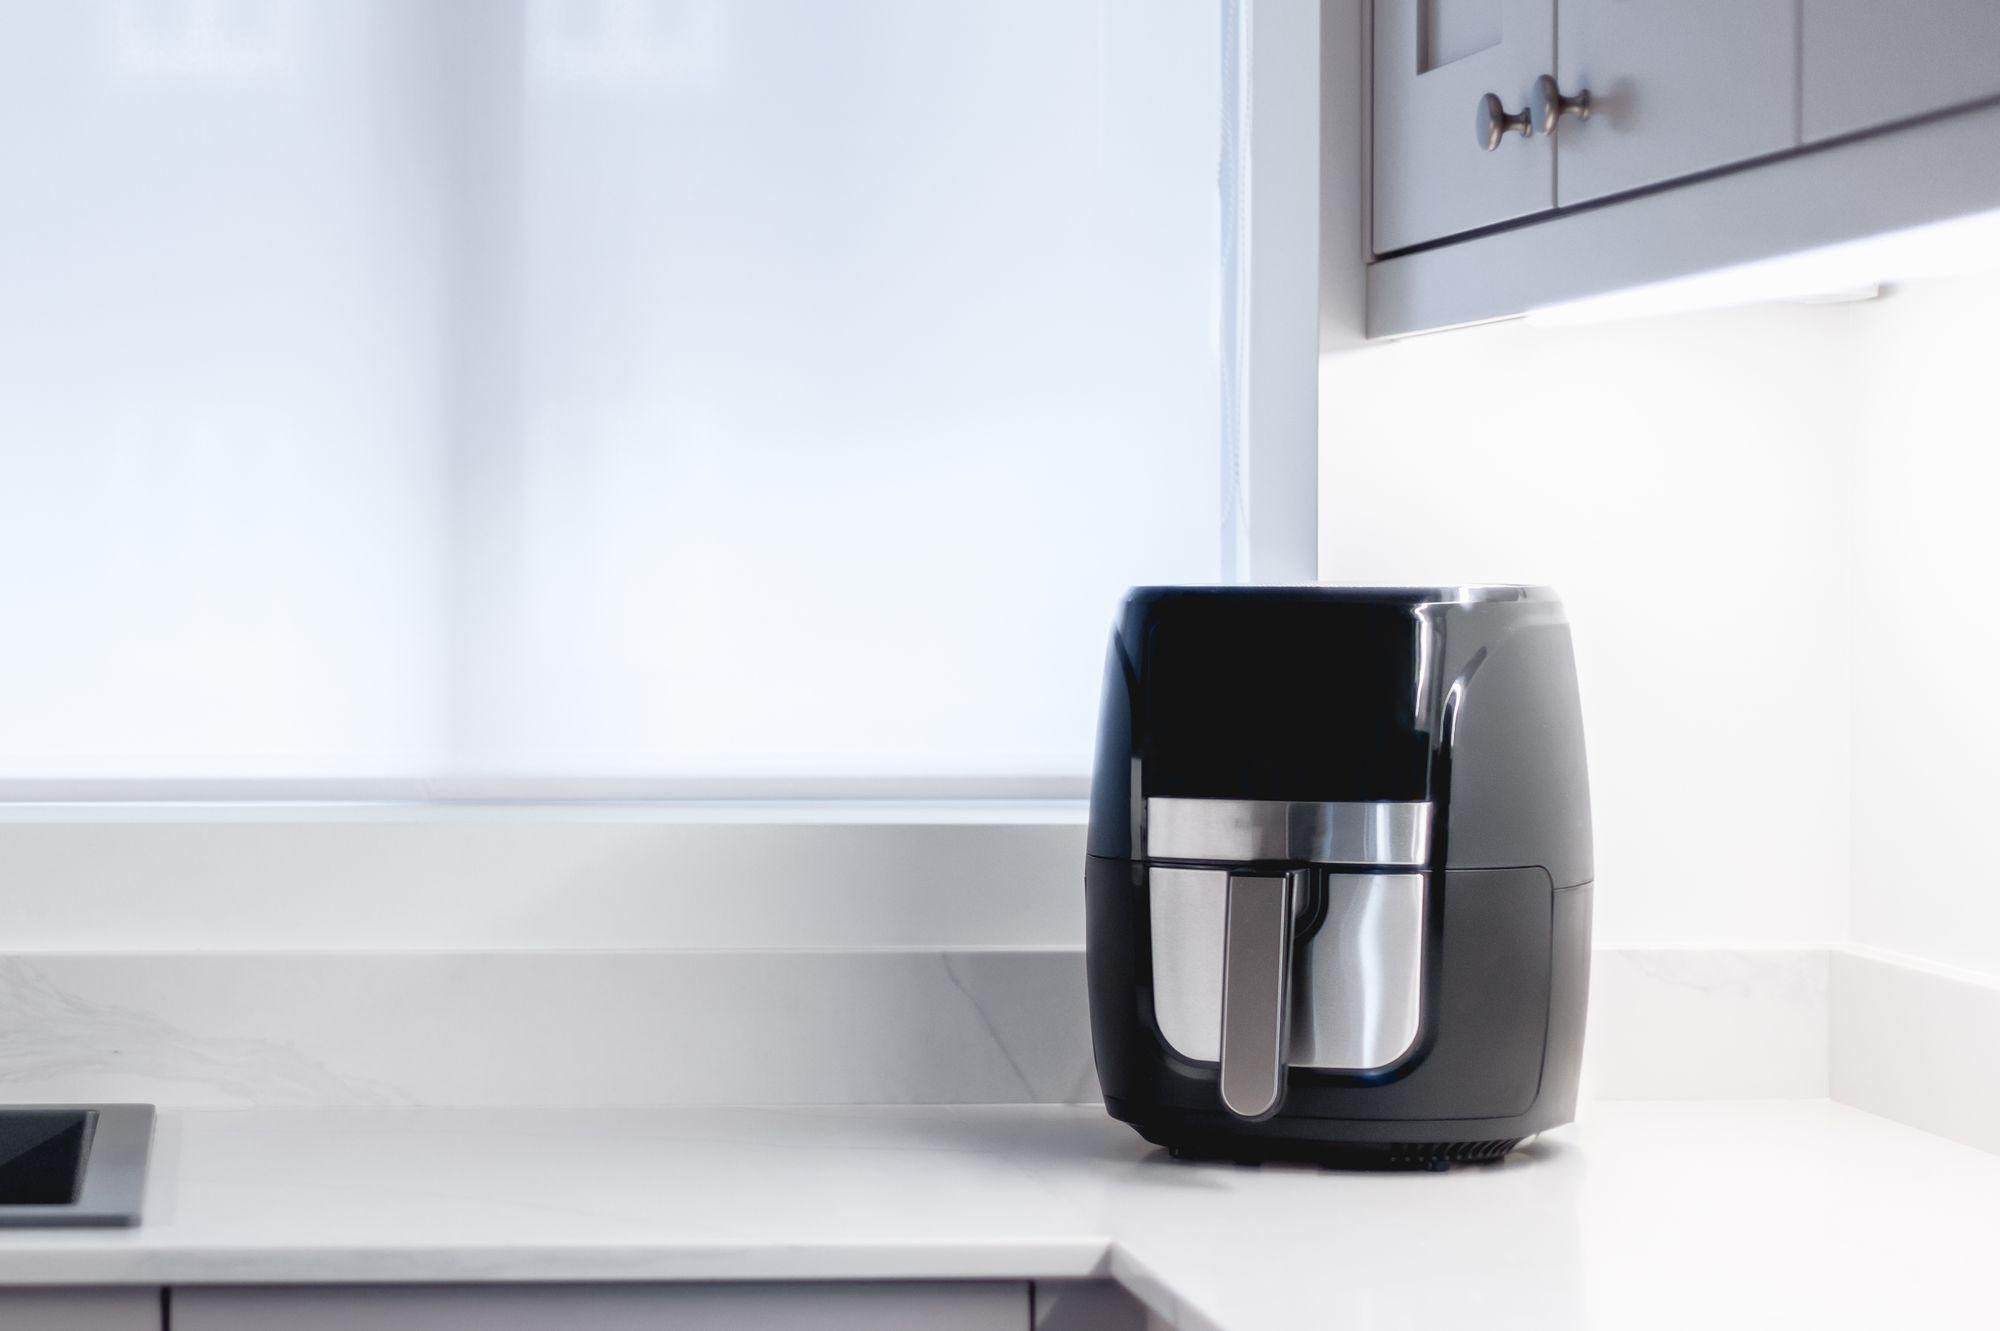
x: 1339, y: 874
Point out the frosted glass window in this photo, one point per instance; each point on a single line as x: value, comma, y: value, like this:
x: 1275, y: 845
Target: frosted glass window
x: 677, y: 390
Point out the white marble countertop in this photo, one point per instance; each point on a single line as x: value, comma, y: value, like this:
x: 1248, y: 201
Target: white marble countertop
x: 1688, y: 1214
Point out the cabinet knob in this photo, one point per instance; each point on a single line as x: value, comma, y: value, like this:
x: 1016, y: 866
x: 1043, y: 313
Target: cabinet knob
x: 1493, y: 123
x: 1551, y: 106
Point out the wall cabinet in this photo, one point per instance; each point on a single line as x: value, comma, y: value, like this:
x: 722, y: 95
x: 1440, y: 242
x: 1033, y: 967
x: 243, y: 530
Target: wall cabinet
x: 845, y: 1306
x: 1868, y: 63
x: 1434, y: 61
x: 1719, y: 134
x: 1676, y: 87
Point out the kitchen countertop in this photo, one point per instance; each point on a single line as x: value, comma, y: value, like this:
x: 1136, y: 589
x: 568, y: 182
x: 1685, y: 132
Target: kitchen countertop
x: 1773, y: 1213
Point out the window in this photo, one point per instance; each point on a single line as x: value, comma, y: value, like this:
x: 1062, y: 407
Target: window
x: 685, y: 393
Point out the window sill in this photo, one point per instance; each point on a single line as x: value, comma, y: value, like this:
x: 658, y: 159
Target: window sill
x: 557, y: 875
x: 929, y: 812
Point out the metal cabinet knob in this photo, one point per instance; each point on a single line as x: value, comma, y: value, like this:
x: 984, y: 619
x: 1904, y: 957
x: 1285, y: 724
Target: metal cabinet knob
x: 1551, y: 106
x: 1493, y: 123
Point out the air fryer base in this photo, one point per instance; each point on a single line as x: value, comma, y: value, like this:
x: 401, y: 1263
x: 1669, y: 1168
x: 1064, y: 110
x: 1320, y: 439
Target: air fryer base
x: 1335, y: 1143
x: 1382, y: 1156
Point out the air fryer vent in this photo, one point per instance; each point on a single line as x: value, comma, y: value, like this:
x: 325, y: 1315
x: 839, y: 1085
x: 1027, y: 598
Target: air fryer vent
x: 1442, y: 1155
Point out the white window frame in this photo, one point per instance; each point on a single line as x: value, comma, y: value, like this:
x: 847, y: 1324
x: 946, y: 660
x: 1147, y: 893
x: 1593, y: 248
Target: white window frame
x: 1271, y: 289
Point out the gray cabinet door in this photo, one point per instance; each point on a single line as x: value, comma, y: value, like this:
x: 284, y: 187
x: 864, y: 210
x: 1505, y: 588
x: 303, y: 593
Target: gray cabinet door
x: 1867, y: 63
x: 1676, y: 87
x: 80, y: 1309
x: 708, y: 1307
x: 1433, y: 62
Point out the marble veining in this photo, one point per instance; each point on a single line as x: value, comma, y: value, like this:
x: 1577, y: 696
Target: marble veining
x: 58, y: 1043
x: 1707, y: 1022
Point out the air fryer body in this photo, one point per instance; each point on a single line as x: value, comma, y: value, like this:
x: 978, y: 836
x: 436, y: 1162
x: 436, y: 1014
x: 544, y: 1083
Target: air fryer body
x: 1339, y: 878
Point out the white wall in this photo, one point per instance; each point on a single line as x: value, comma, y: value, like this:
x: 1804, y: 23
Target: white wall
x: 1773, y: 529
x: 1682, y: 483
x: 1924, y: 627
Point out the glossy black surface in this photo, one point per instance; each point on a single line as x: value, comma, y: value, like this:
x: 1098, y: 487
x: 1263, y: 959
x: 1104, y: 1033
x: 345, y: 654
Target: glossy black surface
x: 1267, y: 698
x: 1226, y: 694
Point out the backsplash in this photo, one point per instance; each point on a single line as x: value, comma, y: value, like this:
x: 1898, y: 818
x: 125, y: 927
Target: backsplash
x: 552, y: 1028
x: 854, y: 1026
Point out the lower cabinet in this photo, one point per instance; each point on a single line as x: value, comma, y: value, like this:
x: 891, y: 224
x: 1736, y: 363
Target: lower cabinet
x: 831, y: 1306
x: 80, y: 1309
x: 822, y: 1306
x: 1090, y: 1305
